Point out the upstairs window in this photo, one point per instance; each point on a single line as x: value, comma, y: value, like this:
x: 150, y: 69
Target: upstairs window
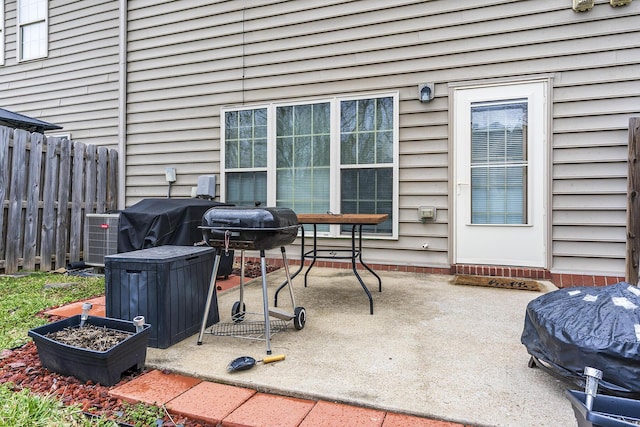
x: 32, y: 29
x: 337, y: 155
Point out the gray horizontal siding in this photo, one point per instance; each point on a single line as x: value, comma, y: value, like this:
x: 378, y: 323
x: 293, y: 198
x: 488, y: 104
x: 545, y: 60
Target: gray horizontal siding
x: 188, y: 61
x: 76, y: 86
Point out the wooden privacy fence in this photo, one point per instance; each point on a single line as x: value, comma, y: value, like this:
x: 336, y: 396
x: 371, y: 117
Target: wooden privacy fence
x: 47, y: 186
x: 633, y: 203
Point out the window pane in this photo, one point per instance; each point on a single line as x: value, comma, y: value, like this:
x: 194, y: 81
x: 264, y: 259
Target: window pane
x: 321, y: 117
x: 303, y: 151
x: 366, y: 131
x: 498, y: 195
x: 366, y: 114
x: 368, y: 191
x: 384, y: 114
x: 499, y: 162
x: 384, y: 147
x: 321, y: 150
x: 347, y: 116
x: 34, y: 38
x: 246, y: 188
x: 245, y: 152
x: 303, y: 190
x: 348, y: 150
x: 32, y: 10
x: 284, y: 152
x: 231, y: 125
x: 302, y: 120
x: 231, y: 154
x: 366, y: 148
x: 284, y: 121
x: 245, y: 138
x: 260, y: 152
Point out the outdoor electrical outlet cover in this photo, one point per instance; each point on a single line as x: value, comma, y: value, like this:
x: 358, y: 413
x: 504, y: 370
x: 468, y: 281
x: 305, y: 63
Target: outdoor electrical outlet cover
x: 427, y: 212
x: 170, y: 174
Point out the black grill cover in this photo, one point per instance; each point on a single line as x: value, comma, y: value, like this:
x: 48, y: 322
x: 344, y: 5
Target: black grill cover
x: 571, y: 328
x: 250, y: 228
x: 156, y: 222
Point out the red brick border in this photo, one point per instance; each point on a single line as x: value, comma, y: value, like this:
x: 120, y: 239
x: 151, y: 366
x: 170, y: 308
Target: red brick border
x: 558, y: 279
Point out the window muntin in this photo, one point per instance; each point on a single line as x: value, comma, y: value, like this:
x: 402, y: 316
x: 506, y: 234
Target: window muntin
x: 32, y: 29
x: 499, y: 162
x: 336, y: 155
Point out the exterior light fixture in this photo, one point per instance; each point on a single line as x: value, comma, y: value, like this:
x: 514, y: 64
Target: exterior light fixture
x: 426, y: 92
x: 583, y: 5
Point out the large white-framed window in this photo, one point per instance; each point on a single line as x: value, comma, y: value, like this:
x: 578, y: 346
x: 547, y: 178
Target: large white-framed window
x: 335, y: 155
x: 33, y: 32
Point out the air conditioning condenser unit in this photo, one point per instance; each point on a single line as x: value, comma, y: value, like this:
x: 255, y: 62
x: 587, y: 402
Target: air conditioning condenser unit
x: 101, y: 238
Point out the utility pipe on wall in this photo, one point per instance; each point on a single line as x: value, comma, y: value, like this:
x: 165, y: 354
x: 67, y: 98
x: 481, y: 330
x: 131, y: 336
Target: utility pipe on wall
x: 122, y: 105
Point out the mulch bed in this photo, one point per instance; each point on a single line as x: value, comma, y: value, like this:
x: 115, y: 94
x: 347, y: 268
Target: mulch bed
x: 251, y: 269
x: 21, y: 366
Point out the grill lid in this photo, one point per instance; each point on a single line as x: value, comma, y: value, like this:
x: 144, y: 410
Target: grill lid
x: 249, y: 228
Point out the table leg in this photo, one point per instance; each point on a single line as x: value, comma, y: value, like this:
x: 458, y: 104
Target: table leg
x: 315, y: 253
x: 354, y: 255
x: 363, y: 263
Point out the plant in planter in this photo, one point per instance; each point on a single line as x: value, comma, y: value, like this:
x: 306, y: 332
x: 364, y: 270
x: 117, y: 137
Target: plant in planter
x: 104, y: 365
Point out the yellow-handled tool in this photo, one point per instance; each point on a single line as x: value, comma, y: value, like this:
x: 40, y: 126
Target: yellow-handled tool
x: 246, y: 362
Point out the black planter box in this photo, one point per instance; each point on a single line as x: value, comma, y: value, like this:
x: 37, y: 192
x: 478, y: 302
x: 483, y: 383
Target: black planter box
x: 104, y: 367
x: 168, y: 285
x: 607, y: 411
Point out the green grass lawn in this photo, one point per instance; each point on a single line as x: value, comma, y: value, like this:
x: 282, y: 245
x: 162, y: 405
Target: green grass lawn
x: 23, y: 297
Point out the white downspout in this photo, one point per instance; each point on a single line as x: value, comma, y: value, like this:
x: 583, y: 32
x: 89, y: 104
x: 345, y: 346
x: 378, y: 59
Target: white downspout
x: 122, y: 105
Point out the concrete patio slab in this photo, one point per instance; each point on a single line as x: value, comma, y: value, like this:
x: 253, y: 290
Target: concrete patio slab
x: 431, y: 349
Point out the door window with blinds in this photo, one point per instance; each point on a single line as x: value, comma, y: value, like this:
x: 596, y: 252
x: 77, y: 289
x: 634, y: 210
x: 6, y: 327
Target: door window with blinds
x: 499, y: 166
x: 337, y: 155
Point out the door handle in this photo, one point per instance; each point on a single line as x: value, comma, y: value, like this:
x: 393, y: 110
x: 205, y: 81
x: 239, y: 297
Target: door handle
x: 460, y: 184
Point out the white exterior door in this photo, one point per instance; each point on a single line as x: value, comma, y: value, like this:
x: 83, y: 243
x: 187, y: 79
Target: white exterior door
x: 499, y: 192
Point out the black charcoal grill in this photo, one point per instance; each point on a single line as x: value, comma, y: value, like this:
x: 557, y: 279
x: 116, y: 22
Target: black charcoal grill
x: 259, y: 229
x: 249, y: 228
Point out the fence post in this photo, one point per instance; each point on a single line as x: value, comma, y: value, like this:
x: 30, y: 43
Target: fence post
x: 16, y: 196
x: 33, y: 197
x: 633, y: 203
x: 5, y: 136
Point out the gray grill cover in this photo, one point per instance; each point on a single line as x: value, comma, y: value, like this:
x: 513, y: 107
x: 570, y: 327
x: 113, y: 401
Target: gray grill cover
x: 599, y: 327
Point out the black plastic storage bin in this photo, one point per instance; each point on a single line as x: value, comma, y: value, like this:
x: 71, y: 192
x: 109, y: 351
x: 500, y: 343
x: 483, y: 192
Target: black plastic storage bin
x: 607, y: 411
x: 167, y: 285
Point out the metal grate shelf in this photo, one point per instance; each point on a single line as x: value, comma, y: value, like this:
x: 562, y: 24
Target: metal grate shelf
x: 246, y: 329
